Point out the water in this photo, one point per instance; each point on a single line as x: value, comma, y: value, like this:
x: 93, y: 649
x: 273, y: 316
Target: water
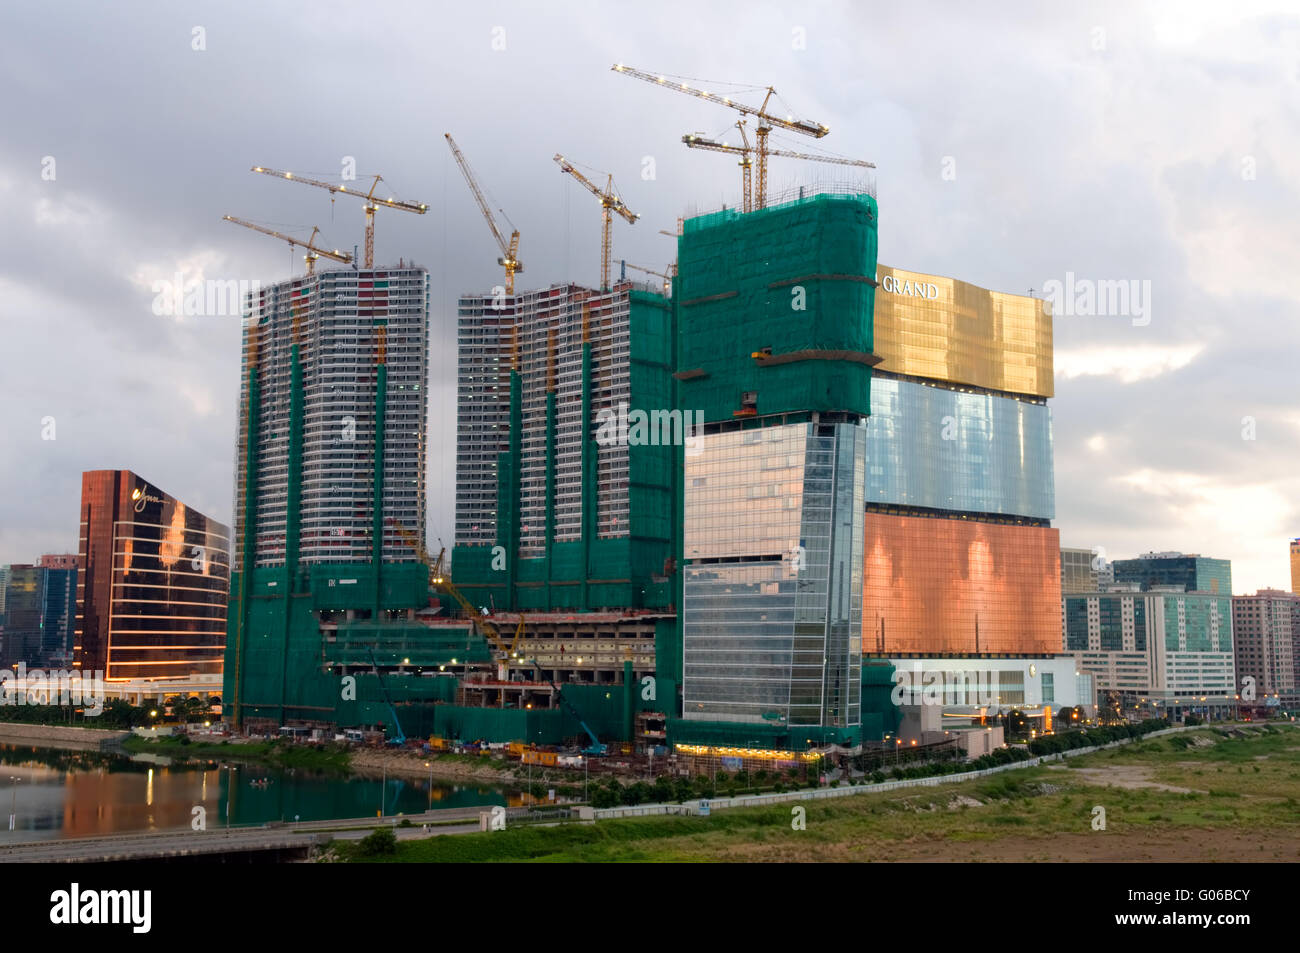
x: 60, y: 794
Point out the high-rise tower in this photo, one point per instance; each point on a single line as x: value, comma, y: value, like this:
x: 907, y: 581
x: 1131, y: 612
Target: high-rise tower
x: 775, y: 351
x: 329, y: 490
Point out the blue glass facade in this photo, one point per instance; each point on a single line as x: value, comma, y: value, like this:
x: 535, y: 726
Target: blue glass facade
x: 943, y: 449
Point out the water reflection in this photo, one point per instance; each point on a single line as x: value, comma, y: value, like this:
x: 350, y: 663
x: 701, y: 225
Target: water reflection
x: 55, y: 794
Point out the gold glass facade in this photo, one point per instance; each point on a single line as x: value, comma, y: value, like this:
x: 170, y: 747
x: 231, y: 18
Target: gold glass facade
x: 948, y: 330
x: 1295, y: 566
x: 939, y: 586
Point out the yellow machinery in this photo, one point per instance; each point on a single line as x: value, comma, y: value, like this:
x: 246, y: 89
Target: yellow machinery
x: 313, y: 252
x: 440, y: 581
x: 766, y: 120
x: 700, y: 142
x: 509, y: 250
x: 610, y: 203
x: 372, y: 203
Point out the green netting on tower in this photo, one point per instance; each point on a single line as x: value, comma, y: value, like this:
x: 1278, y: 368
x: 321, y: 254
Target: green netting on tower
x: 793, y: 284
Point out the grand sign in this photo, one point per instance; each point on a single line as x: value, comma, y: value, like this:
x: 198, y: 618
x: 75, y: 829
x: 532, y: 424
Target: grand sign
x: 918, y: 289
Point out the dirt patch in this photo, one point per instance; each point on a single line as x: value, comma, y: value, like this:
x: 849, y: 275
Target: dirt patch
x: 1188, y: 845
x: 1131, y: 777
x: 372, y: 760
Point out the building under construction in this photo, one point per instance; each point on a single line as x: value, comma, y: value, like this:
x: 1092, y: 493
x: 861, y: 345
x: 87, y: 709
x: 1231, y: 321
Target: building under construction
x: 565, y: 516
x: 331, y: 471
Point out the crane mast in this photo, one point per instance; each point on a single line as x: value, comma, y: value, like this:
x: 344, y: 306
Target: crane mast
x: 712, y: 145
x: 610, y: 203
x: 509, y: 250
x: 766, y: 120
x: 372, y: 202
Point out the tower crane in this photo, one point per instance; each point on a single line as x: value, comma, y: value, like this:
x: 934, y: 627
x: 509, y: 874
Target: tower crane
x: 372, y: 203
x: 766, y: 120
x: 440, y: 581
x: 509, y: 251
x: 610, y: 204
x: 667, y: 277
x: 313, y: 252
x: 712, y: 145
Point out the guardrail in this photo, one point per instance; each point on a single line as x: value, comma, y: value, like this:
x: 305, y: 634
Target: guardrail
x: 815, y: 794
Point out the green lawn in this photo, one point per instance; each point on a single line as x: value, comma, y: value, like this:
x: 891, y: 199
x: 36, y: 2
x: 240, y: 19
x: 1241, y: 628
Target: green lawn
x: 1247, y: 786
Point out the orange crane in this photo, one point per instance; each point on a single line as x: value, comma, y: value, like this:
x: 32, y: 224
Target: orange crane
x: 712, y: 145
x: 610, y: 204
x: 766, y: 120
x: 509, y: 251
x: 372, y: 203
x: 440, y: 581
x: 313, y: 252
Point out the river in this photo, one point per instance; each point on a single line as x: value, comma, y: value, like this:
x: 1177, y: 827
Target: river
x: 47, y: 794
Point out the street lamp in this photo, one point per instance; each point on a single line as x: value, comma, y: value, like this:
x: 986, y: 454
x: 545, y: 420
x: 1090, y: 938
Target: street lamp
x: 13, y: 801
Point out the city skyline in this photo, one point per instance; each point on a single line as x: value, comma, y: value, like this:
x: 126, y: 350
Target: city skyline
x: 1176, y: 433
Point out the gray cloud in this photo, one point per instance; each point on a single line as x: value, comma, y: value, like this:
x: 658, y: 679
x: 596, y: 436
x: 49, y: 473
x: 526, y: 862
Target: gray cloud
x: 1124, y: 161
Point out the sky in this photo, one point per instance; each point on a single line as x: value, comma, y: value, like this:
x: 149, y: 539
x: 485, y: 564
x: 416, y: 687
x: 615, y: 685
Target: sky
x: 1018, y: 147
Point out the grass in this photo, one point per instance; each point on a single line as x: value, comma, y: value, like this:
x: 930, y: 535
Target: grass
x: 1016, y: 819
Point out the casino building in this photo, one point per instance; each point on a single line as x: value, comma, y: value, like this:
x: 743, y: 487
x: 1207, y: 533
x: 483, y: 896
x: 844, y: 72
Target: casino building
x: 961, y: 562
x: 152, y: 581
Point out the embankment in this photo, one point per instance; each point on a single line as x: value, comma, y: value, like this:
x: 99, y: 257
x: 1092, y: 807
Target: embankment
x: 60, y: 736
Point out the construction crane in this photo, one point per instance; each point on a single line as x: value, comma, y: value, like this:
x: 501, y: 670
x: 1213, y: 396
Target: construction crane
x: 440, y: 581
x: 712, y: 145
x: 509, y: 251
x: 610, y: 204
x: 400, y: 737
x: 595, y: 747
x: 668, y: 278
x: 313, y: 252
x: 766, y: 120
x: 372, y: 203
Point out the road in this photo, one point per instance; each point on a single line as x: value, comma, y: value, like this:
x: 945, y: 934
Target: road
x: 288, y: 840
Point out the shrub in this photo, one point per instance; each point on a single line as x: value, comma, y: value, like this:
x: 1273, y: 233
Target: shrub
x: 878, y: 777
x: 377, y: 843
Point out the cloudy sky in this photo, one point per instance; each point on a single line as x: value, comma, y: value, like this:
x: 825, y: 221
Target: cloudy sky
x: 1015, y: 145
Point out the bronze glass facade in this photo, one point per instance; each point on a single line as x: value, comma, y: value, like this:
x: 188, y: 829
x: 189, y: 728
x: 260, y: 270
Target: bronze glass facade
x: 941, y: 586
x: 153, y: 581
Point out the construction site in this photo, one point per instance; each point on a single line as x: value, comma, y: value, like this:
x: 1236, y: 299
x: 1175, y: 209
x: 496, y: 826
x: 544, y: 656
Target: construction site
x: 598, y: 596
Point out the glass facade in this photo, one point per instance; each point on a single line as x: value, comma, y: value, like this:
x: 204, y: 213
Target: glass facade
x: 153, y: 581
x: 938, y: 448
x: 1153, y: 642
x: 948, y: 330
x: 773, y: 580
x: 1190, y: 573
x: 935, y: 586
